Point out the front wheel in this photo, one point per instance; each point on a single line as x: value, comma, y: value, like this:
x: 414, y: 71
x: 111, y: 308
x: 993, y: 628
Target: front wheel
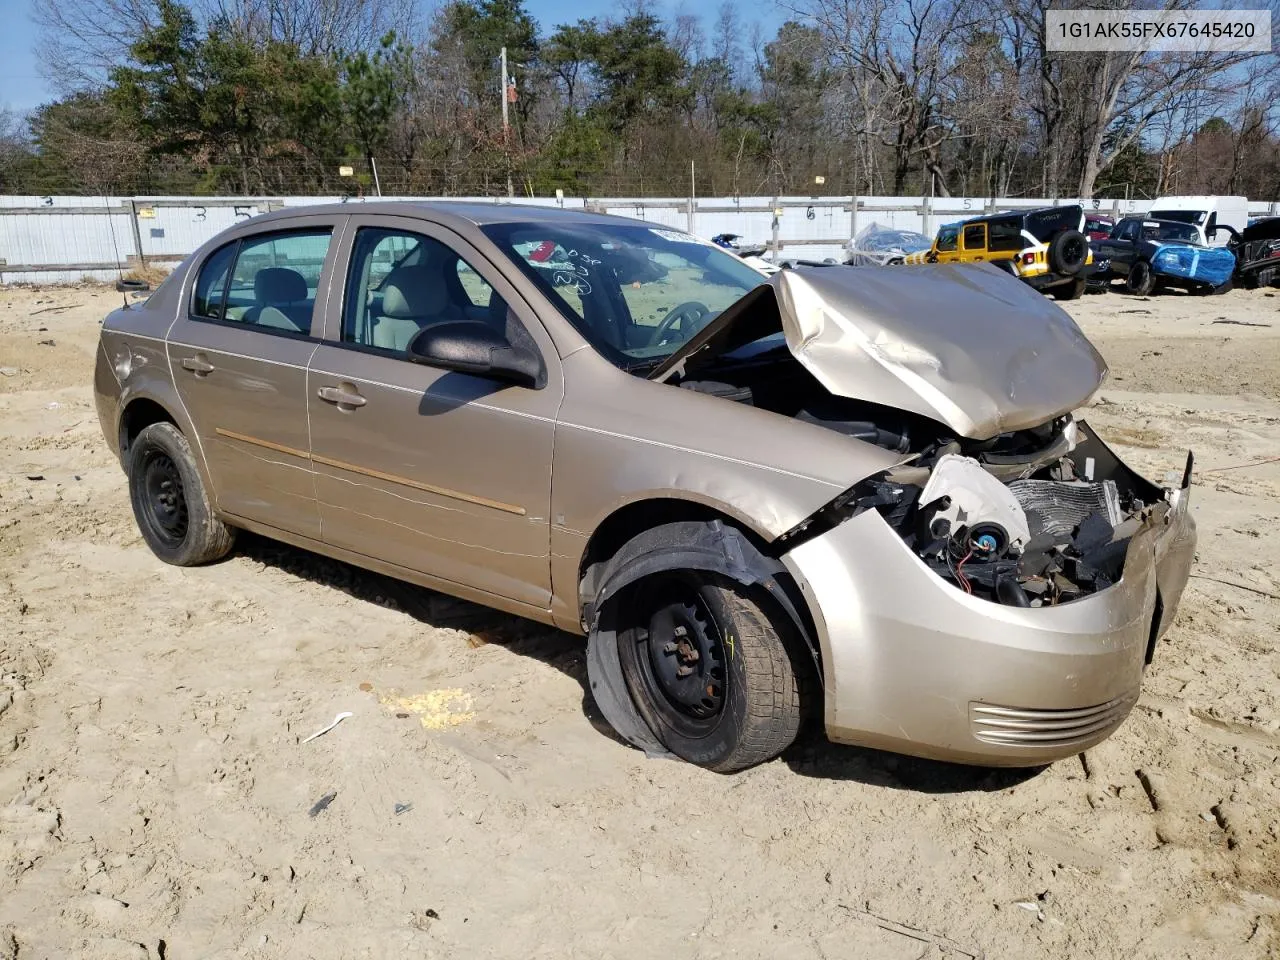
x: 169, y: 501
x: 1141, y: 280
x: 709, y: 670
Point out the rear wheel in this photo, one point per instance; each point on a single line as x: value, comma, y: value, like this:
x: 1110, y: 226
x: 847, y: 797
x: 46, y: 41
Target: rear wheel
x: 1068, y: 252
x: 709, y: 670
x: 1069, y: 291
x: 1141, y: 280
x: 169, y: 501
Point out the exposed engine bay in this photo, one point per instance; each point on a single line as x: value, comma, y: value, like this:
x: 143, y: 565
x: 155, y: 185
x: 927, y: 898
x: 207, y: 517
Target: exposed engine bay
x: 1031, y: 518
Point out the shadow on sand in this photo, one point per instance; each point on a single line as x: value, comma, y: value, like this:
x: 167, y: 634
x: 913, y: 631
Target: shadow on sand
x: 810, y: 756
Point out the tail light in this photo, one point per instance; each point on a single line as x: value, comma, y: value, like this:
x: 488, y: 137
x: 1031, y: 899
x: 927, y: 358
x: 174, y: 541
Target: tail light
x: 1028, y: 258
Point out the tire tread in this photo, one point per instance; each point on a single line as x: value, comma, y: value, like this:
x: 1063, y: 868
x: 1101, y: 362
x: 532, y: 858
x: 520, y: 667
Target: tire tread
x: 208, y: 538
x: 774, y: 706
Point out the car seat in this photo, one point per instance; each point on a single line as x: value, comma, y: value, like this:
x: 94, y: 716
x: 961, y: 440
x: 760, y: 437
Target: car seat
x: 281, y: 300
x: 413, y: 297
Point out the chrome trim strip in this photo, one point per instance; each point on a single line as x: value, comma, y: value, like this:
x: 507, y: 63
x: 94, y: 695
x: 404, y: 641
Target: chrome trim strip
x: 428, y: 488
x: 376, y: 474
x: 277, y: 447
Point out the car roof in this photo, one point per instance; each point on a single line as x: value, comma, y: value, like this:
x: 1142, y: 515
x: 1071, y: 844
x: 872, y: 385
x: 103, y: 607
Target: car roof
x: 1018, y: 213
x: 476, y: 212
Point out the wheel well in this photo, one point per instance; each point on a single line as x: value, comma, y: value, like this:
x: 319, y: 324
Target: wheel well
x: 137, y: 416
x: 625, y: 522
x: 630, y: 521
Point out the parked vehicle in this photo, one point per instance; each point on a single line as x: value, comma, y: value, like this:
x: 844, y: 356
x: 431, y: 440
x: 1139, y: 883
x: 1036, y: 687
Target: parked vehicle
x: 751, y: 254
x: 1097, y: 226
x: 1205, y: 214
x: 1150, y: 254
x: 1257, y: 253
x: 875, y: 245
x: 1044, y: 247
x: 734, y: 243
x: 828, y: 493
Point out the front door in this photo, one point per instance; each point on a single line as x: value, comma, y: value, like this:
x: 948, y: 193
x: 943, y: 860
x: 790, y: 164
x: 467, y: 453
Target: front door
x: 441, y: 472
x: 946, y: 246
x: 1120, y: 247
x: 239, y: 354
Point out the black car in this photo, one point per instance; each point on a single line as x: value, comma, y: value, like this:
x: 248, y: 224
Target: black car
x: 1165, y: 253
x: 1257, y: 252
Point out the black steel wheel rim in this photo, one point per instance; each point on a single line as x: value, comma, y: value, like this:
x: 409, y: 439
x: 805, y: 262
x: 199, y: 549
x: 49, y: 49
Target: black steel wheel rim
x: 164, y: 500
x: 1074, y: 252
x: 679, y: 657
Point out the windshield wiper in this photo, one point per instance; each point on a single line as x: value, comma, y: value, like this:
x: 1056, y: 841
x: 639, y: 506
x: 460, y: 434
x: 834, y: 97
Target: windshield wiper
x: 643, y: 365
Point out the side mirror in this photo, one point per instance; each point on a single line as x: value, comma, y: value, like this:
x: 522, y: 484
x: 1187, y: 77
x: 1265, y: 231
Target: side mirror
x: 1231, y: 232
x: 469, y: 346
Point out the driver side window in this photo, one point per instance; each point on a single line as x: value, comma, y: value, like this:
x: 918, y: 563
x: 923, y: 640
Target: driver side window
x: 947, y: 238
x: 401, y: 282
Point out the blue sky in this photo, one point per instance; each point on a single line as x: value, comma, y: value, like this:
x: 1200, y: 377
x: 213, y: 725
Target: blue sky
x: 22, y: 87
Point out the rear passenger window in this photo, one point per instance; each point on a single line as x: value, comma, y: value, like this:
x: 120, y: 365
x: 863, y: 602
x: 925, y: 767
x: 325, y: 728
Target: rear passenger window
x: 211, y: 285
x: 975, y: 236
x: 275, y: 279
x: 1005, y: 235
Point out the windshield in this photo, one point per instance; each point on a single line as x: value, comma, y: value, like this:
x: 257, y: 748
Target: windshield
x: 1182, y: 216
x: 1170, y: 231
x: 636, y: 293
x: 889, y: 240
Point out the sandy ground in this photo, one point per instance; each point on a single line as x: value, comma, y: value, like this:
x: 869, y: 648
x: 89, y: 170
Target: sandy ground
x: 156, y: 799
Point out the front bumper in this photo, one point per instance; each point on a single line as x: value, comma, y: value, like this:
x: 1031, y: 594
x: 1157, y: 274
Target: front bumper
x: 913, y: 665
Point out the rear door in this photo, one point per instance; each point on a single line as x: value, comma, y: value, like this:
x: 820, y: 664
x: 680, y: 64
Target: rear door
x: 1004, y: 238
x: 239, y: 351
x: 441, y: 472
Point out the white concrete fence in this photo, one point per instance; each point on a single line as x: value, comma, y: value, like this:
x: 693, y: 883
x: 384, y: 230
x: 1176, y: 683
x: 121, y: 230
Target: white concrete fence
x: 66, y: 239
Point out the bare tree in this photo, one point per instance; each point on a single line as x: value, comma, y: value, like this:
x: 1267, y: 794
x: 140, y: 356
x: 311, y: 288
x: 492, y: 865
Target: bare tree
x: 81, y: 40
x: 1096, y: 105
x: 898, y: 55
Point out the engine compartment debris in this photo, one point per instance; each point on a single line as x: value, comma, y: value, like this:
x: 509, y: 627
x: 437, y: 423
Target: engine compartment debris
x: 1045, y: 521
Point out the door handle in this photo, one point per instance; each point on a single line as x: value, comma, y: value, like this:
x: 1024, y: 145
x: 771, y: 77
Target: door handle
x: 343, y: 398
x: 198, y: 365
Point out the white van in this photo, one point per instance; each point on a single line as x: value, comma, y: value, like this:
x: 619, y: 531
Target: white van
x: 1205, y: 213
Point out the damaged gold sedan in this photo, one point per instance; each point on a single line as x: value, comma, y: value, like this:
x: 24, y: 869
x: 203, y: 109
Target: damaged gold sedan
x: 829, y: 494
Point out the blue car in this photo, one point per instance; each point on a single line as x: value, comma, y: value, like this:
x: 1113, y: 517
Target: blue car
x: 1151, y: 254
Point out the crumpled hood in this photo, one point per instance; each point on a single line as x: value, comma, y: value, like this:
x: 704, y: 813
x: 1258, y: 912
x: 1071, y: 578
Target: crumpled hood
x: 964, y: 344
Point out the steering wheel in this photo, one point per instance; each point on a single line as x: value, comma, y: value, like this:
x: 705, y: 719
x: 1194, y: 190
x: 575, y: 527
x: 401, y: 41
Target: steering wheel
x: 691, y: 309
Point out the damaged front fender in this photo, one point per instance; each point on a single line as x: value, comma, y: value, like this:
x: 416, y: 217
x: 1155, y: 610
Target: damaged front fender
x: 707, y: 547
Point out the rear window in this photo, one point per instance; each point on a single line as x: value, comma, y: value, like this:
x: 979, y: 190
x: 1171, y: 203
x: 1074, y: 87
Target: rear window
x: 1045, y: 224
